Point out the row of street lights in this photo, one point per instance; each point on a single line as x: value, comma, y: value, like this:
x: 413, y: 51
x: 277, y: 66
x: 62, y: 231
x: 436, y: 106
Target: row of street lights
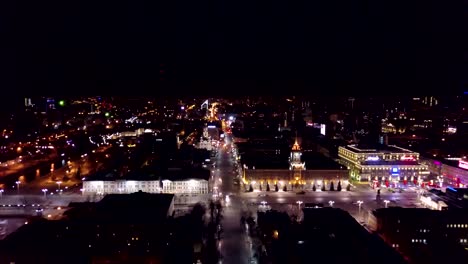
x: 359, y: 203
x: 43, y: 190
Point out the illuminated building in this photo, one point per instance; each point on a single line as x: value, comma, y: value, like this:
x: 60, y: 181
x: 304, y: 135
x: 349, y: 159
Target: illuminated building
x: 454, y: 172
x: 384, y: 163
x: 295, y: 160
x: 188, y: 186
x: 417, y: 231
x: 173, y: 181
x: 321, y: 172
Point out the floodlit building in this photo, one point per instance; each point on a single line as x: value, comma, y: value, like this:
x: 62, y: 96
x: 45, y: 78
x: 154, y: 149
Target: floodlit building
x: 175, y: 181
x: 453, y: 172
x: 382, y: 163
x: 302, y: 171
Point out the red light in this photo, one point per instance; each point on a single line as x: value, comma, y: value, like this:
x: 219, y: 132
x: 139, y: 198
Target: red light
x: 407, y: 158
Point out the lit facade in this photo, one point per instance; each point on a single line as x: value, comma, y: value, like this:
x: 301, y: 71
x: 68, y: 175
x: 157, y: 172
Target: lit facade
x: 452, y: 175
x: 296, y: 178
x: 295, y: 162
x: 187, y: 186
x: 389, y: 163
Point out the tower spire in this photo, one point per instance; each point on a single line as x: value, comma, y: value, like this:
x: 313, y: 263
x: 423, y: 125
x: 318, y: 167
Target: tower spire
x: 296, y: 146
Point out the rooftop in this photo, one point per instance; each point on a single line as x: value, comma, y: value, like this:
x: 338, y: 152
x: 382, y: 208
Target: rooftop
x: 378, y: 148
x: 327, y: 230
x: 129, y: 208
x: 317, y: 161
x: 118, y: 224
x: 148, y: 174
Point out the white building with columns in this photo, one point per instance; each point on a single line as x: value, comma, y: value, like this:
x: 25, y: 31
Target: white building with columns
x: 176, y: 181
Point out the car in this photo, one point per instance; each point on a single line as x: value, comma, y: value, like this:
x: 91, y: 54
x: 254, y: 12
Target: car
x: 301, y: 192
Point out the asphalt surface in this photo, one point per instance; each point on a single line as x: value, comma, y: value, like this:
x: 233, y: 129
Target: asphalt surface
x: 235, y: 245
x: 346, y: 200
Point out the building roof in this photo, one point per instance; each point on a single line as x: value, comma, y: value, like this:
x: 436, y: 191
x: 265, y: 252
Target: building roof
x: 148, y: 174
x: 377, y: 148
x: 328, y: 230
x: 296, y: 146
x: 318, y: 161
x: 95, y: 229
x: 139, y: 207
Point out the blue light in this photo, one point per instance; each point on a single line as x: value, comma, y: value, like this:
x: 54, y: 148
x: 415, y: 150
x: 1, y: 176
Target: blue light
x: 394, y: 169
x: 452, y: 189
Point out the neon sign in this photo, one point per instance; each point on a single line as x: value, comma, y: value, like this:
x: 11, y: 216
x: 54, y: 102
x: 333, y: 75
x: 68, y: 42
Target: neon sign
x: 463, y: 164
x: 407, y: 158
x: 373, y: 158
x: 394, y: 170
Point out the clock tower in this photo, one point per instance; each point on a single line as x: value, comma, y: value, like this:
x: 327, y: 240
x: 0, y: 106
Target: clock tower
x: 295, y: 162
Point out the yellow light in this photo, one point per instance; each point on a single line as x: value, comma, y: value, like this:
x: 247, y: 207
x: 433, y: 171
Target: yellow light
x: 275, y: 234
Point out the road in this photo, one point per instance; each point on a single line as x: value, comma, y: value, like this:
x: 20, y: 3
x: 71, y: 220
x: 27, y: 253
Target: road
x: 346, y: 200
x: 15, y: 166
x: 235, y: 244
x: 49, y: 181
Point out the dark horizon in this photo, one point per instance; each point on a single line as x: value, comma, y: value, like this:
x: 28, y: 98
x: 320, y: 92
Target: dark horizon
x: 355, y: 44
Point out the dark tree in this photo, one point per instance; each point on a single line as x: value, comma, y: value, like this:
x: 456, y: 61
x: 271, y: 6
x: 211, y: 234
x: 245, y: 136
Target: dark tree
x: 276, y: 188
x: 212, y: 207
x: 268, y: 187
x: 332, y: 186
x: 314, y: 188
x: 285, y: 189
x: 323, y: 187
x: 338, y: 188
x: 78, y: 173
x: 348, y: 188
x: 219, y: 209
x: 251, y: 188
x: 260, y: 187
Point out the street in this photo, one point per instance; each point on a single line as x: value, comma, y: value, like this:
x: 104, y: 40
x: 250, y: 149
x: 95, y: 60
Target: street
x: 235, y: 245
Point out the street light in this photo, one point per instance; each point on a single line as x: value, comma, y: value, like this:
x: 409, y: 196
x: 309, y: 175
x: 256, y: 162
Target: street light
x: 17, y: 186
x: 386, y: 203
x: 331, y: 203
x: 58, y: 183
x: 1, y: 193
x: 359, y: 204
x: 45, y: 192
x: 82, y: 191
x: 299, y: 203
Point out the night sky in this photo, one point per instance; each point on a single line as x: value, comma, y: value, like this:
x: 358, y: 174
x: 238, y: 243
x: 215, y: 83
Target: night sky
x: 82, y: 43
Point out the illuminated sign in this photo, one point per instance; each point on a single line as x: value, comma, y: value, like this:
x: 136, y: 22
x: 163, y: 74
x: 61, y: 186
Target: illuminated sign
x: 373, y: 158
x: 211, y: 126
x: 394, y: 170
x: 322, y: 129
x: 451, y: 130
x: 407, y: 158
x: 463, y: 164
